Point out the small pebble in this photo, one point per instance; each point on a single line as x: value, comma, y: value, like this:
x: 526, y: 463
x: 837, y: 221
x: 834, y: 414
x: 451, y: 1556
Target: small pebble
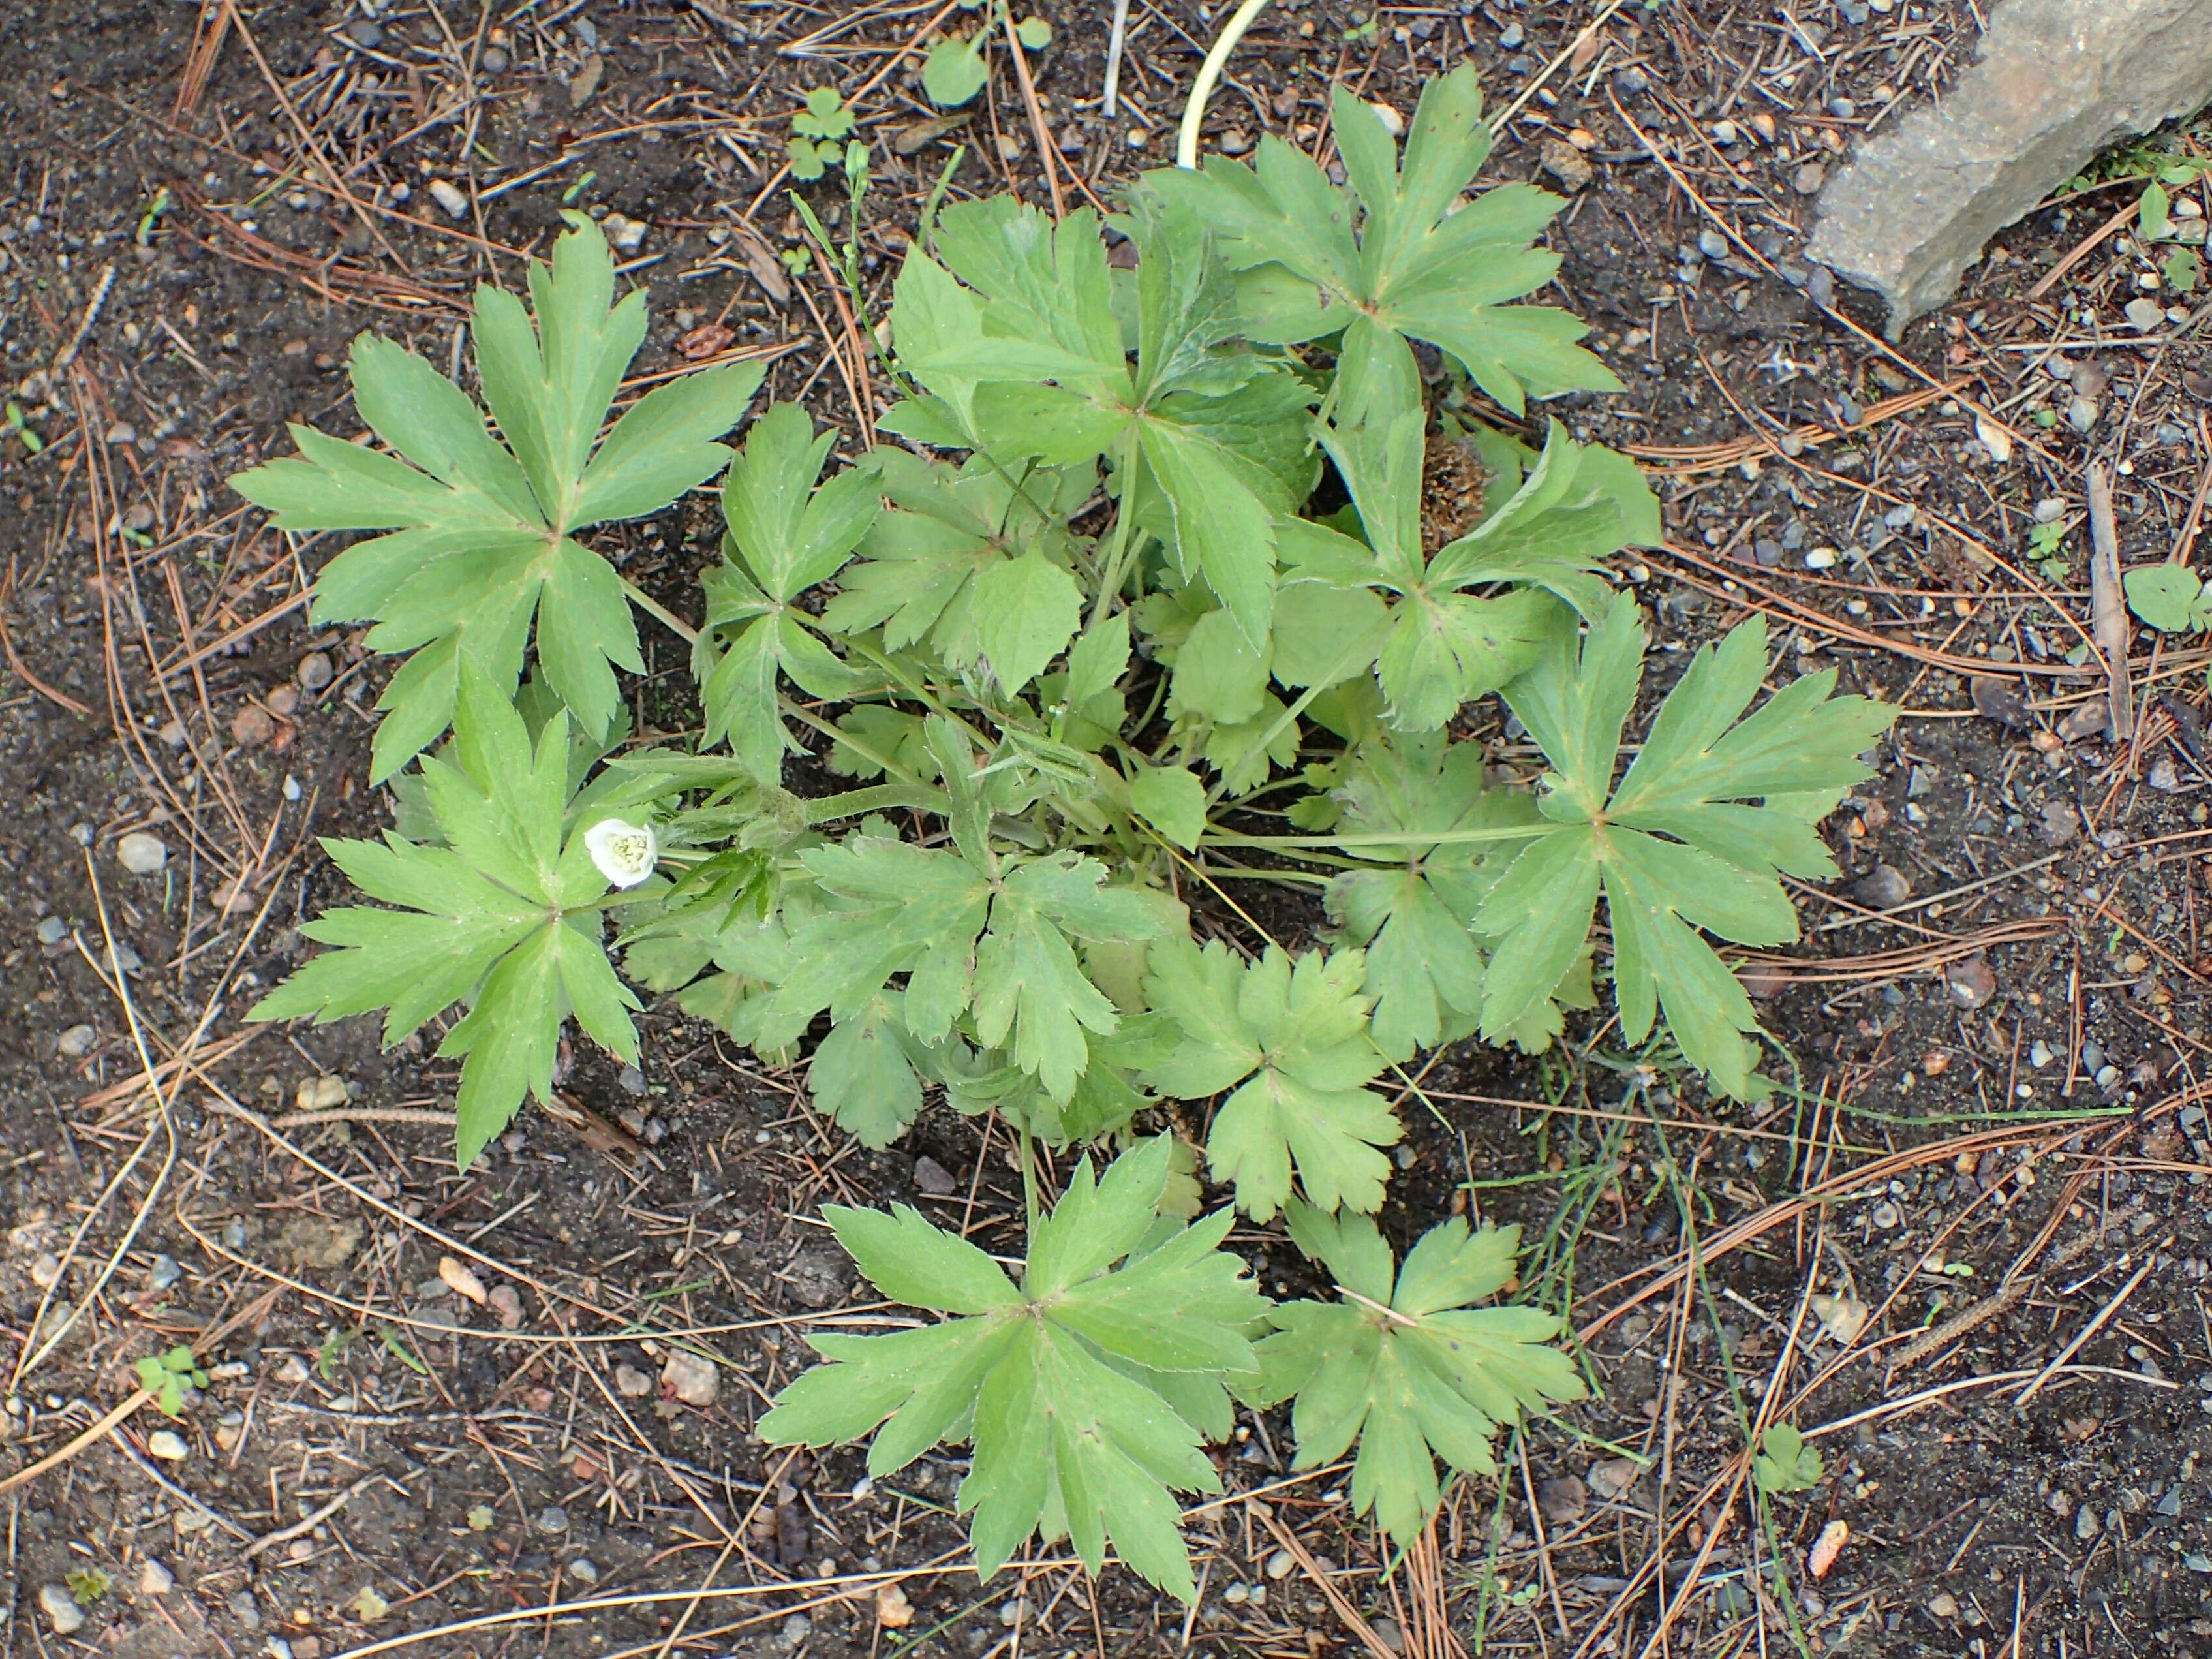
x: 320, y: 1094
x: 167, y: 1445
x: 245, y: 1609
x: 140, y: 853
x: 1511, y: 37
x: 632, y: 1382
x: 1808, y: 178
x: 627, y: 235
x: 449, y: 196
x: 584, y: 1570
x: 164, y: 1272
x: 1280, y: 1563
x: 1970, y: 983
x: 53, y: 930
x: 62, y: 1613
x: 1882, y: 888
x: 252, y: 725
x: 552, y: 1518
x: 494, y: 61
x: 364, y: 31
x: 1943, y: 1605
x: 153, y: 1578
x: 315, y: 670
x: 690, y: 1378
x: 2081, y: 414
x: 1393, y: 122
x: 1712, y: 245
x: 2144, y: 315
x: 796, y: 1629
x: 76, y: 1042
x: 630, y: 1080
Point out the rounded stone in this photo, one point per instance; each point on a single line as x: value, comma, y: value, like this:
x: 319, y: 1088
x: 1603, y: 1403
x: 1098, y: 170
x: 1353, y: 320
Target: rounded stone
x: 142, y: 854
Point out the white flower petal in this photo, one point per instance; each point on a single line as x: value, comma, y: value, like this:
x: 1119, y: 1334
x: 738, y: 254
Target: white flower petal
x: 624, y: 852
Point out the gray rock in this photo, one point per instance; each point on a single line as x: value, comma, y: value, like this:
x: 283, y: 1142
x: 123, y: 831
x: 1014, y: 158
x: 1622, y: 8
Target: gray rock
x: 366, y: 31
x: 2057, y: 81
x: 584, y: 1570
x: 245, y: 1610
x: 552, y: 1518
x: 63, y: 1614
x: 494, y: 61
x: 315, y: 670
x: 53, y: 930
x: 1882, y: 888
x: 140, y: 853
x: 933, y: 1177
x: 155, y: 1579
x: 76, y: 1042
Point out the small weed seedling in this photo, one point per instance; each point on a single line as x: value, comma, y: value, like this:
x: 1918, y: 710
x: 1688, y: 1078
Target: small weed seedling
x: 2171, y: 598
x: 1786, y: 1463
x: 1072, y: 653
x: 2183, y: 268
x: 819, y: 133
x: 959, y: 66
x: 166, y: 1375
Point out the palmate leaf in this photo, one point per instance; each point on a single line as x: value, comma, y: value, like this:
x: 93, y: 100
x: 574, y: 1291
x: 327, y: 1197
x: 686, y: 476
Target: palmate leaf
x: 1540, y: 541
x: 985, y: 941
x: 1059, y: 1381
x: 1680, y: 846
x: 784, y: 536
x: 971, y: 560
x: 1291, y: 1039
x: 1415, y: 912
x: 1403, y: 1364
x: 1028, y: 360
x: 504, y: 917
x: 1423, y: 263
x: 482, y: 541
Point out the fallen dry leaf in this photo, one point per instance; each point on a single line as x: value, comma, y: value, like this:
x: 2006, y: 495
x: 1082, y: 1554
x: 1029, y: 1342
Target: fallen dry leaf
x: 1842, y: 1317
x: 705, y: 341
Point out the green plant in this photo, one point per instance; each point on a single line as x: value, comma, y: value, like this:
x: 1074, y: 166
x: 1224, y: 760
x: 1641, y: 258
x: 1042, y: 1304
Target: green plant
x: 166, y: 1375
x: 818, y: 132
x: 2169, y: 598
x: 959, y: 66
x: 483, y: 529
x: 1073, y: 660
x: 1404, y: 1365
x: 2183, y: 267
x: 2046, y: 545
x: 1786, y: 1463
x: 88, y: 1586
x: 1086, y: 1389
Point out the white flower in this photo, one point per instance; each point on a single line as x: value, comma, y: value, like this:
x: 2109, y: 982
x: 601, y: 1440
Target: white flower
x: 624, y: 852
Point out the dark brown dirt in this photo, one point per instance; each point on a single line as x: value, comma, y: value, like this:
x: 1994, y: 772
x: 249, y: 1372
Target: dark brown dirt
x: 1996, y: 1097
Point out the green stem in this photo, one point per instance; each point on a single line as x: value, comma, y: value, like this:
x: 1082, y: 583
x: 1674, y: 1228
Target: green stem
x: 1029, y: 1180
x: 1125, y: 520
x: 1388, y: 838
x: 653, y: 608
x: 853, y: 803
x: 1337, y: 670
